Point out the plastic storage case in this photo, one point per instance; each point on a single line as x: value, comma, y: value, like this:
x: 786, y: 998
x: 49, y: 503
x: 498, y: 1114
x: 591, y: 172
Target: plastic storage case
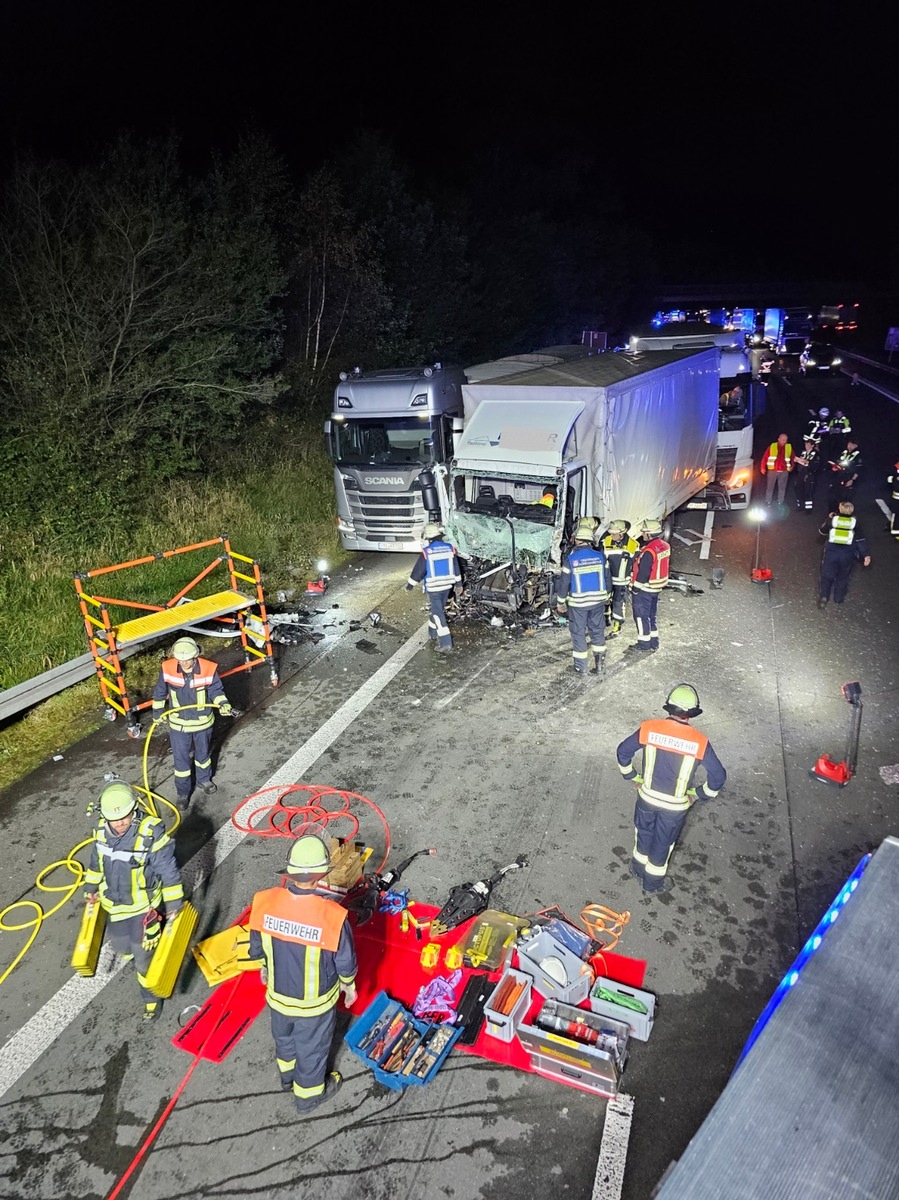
x: 640, y: 1023
x: 575, y: 1062
x: 502, y: 1025
x: 383, y: 1006
x: 580, y: 976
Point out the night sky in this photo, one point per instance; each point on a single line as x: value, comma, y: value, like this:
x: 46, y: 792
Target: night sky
x: 743, y: 142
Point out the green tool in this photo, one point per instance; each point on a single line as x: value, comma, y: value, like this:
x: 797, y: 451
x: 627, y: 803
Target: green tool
x: 624, y: 1001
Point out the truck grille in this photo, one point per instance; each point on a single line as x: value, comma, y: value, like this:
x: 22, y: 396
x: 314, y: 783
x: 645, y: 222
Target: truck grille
x: 385, y: 518
x: 724, y: 464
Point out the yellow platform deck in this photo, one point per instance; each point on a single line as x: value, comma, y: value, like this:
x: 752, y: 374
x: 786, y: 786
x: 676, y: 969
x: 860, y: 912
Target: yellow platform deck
x: 142, y: 629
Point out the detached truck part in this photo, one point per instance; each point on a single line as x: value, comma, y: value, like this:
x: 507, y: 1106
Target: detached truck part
x: 612, y: 436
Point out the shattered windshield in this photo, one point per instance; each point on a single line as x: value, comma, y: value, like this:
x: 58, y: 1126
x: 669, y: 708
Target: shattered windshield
x: 385, y: 440
x: 477, y: 535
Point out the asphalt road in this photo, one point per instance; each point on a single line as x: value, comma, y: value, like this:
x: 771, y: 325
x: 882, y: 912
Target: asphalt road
x: 494, y: 751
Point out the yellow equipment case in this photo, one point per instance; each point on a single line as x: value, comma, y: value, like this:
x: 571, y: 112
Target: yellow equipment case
x: 170, y: 951
x: 89, y: 940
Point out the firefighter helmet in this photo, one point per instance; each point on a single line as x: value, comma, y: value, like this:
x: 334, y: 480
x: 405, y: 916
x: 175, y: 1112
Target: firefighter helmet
x: 683, y: 701
x: 618, y: 527
x: 308, y: 857
x: 823, y: 412
x: 586, y: 529
x: 653, y: 528
x: 431, y: 530
x: 185, y: 648
x: 117, y: 801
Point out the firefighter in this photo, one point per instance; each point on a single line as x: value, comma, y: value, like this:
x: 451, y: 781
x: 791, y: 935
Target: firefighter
x: 894, y: 501
x: 134, y: 877
x: 845, y: 544
x: 192, y: 684
x: 807, y: 466
x: 620, y: 549
x: 306, y: 944
x: 582, y: 595
x: 777, y: 464
x: 846, y: 471
x: 649, y: 575
x: 672, y: 752
x: 819, y: 426
x: 437, y: 570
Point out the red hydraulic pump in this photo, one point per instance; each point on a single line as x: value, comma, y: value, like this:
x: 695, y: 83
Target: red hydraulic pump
x: 840, y: 773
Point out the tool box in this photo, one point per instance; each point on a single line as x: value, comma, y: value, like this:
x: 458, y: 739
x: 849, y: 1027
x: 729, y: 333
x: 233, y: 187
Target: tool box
x: 90, y: 938
x: 572, y: 979
x: 387, y: 1029
x: 596, y: 1068
x: 502, y: 1025
x: 627, y: 1010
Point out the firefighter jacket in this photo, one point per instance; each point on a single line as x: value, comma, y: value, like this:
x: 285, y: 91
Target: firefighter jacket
x: 438, y: 567
x: 818, y: 428
x: 584, y: 581
x: 672, y: 751
x: 894, y: 480
x: 307, y: 943
x: 198, y: 694
x: 134, y: 871
x: 650, y: 571
x: 619, y: 557
x: 845, y: 532
x: 769, y: 463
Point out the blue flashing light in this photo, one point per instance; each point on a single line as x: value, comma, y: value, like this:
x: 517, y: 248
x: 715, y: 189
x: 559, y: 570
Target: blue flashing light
x: 804, y: 955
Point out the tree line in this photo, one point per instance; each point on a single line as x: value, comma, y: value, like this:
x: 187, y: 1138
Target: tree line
x: 151, y: 316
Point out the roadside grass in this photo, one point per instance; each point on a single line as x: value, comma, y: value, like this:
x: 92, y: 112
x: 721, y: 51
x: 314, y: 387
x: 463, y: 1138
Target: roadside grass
x: 276, y: 505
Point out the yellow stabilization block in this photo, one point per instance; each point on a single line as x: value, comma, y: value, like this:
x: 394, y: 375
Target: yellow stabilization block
x: 170, y: 951
x: 89, y: 940
x: 225, y: 954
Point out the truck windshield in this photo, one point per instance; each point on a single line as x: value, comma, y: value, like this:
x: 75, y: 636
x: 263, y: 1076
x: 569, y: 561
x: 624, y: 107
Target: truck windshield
x: 385, y: 440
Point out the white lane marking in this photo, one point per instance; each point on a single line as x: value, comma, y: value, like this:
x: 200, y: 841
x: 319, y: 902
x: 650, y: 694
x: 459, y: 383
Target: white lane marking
x: 707, y: 534
x: 26, y: 1046
x: 616, y: 1132
x: 885, y: 509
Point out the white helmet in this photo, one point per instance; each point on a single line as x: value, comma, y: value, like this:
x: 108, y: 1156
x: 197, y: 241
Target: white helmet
x: 823, y: 412
x: 431, y: 530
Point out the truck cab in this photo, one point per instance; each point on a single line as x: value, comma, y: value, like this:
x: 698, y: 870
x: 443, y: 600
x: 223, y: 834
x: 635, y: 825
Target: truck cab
x: 385, y: 428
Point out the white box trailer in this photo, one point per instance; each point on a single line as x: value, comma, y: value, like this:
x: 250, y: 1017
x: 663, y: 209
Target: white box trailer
x: 614, y: 436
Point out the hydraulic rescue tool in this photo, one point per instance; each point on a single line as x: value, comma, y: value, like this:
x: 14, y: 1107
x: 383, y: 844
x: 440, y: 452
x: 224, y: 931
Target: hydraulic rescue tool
x: 466, y: 900
x: 366, y: 897
x: 840, y: 773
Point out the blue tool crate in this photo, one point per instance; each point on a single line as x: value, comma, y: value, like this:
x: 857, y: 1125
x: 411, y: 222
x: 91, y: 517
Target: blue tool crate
x: 384, y: 1006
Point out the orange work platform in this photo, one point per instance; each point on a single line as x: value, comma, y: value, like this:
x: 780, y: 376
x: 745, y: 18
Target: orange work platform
x: 107, y: 637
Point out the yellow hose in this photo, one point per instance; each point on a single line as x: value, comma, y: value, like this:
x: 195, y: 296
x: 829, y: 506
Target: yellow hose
x: 147, y: 800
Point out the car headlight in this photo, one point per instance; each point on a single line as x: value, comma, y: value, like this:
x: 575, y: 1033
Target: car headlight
x: 836, y: 362
x: 810, y: 362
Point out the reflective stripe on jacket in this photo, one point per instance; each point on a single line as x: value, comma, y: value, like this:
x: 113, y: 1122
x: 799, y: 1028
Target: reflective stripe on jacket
x: 585, y: 578
x: 198, y: 694
x: 770, y: 464
x: 672, y: 750
x: 842, y: 531
x: 438, y: 567
x: 307, y: 944
x: 619, y: 556
x: 654, y: 577
x: 133, y: 871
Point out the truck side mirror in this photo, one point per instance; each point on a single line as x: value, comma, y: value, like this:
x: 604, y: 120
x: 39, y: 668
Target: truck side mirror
x: 429, y: 498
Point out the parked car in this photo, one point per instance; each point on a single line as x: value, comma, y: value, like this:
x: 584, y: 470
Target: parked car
x: 819, y: 357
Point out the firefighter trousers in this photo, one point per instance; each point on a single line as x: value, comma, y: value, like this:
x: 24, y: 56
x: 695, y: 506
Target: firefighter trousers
x: 125, y: 937
x: 646, y: 606
x: 191, y: 748
x: 302, y: 1047
x: 438, y: 630
x: 619, y: 601
x: 587, y: 627
x: 656, y: 831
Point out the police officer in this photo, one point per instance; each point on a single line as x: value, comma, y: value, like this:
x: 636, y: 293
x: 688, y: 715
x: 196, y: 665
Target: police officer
x: 306, y: 943
x: 672, y: 751
x: 649, y: 575
x: 438, y: 572
x: 191, y: 683
x: 846, y: 471
x: 133, y: 875
x: 582, y: 594
x: 620, y: 549
x: 807, y: 466
x: 839, y: 429
x: 894, y: 501
x: 845, y: 544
